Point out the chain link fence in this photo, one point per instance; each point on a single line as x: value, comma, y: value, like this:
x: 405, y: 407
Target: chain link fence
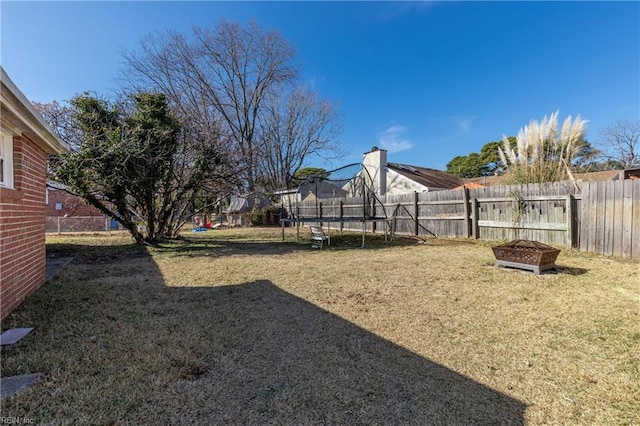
x: 61, y: 224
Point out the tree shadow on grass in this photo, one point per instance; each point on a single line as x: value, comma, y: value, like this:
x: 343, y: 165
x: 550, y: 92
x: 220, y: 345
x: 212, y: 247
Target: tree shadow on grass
x: 217, y: 247
x: 284, y: 360
x: 200, y: 247
x: 86, y: 253
x: 122, y: 346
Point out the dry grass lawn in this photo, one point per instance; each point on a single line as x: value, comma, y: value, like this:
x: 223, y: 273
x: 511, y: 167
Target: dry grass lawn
x: 234, y: 326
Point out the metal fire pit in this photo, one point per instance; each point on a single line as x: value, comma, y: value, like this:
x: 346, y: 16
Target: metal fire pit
x: 526, y: 254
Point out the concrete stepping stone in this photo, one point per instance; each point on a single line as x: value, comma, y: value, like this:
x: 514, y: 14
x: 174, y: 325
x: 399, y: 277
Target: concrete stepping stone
x: 13, y: 335
x: 12, y: 385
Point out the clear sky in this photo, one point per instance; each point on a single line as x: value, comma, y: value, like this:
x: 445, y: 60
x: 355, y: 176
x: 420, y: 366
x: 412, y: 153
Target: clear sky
x: 426, y: 80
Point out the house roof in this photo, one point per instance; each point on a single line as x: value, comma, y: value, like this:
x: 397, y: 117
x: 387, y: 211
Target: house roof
x: 470, y: 185
x: 19, y: 116
x: 597, y: 176
x: 430, y: 178
x: 485, y: 180
x: 590, y: 176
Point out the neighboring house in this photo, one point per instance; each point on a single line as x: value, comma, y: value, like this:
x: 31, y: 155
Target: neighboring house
x: 470, y: 185
x: 66, y: 212
x: 309, y: 192
x: 379, y: 176
x: 25, y: 142
x: 630, y: 173
x: 240, y: 207
x: 598, y: 176
x: 60, y: 203
x: 391, y: 178
x: 606, y: 175
x: 288, y: 198
x: 493, y: 180
x: 320, y: 190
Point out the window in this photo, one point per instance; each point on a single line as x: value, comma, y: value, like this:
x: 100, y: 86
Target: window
x: 2, y: 160
x: 6, y: 159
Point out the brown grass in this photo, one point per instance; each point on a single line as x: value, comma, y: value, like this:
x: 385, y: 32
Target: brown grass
x: 235, y: 326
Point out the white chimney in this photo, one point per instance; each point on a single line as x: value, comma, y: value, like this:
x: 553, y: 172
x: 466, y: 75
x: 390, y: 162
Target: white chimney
x: 375, y: 164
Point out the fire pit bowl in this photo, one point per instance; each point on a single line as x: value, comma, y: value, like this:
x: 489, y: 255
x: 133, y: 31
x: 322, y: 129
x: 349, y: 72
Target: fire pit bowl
x: 526, y: 254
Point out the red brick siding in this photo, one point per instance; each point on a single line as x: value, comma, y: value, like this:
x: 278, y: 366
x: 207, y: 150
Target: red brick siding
x: 71, y: 205
x: 22, y: 218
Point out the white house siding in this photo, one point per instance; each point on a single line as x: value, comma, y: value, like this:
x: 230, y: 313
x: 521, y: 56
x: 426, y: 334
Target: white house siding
x: 399, y: 184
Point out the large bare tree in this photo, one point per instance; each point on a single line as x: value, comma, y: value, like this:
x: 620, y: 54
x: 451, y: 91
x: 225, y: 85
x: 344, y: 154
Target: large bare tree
x: 620, y: 143
x: 59, y: 115
x: 292, y: 129
x: 236, y: 78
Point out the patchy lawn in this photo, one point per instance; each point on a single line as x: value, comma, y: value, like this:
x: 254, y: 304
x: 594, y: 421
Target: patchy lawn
x: 234, y: 326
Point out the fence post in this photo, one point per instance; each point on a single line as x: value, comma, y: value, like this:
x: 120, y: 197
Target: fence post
x: 106, y: 225
x: 465, y: 209
x: 297, y: 221
x: 341, y: 215
x: 58, y: 225
x: 474, y: 219
x: 415, y: 213
x: 373, y: 214
x: 569, y: 219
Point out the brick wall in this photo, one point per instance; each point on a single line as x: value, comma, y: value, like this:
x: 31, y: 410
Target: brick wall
x: 22, y: 225
x: 70, y: 205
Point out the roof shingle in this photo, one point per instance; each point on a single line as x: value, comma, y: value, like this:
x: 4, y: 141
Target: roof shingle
x: 431, y: 178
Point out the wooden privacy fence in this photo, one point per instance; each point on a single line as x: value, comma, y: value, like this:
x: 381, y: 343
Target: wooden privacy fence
x: 610, y: 219
x: 600, y: 217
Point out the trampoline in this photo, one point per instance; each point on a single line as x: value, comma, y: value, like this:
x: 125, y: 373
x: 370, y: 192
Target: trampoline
x: 319, y: 199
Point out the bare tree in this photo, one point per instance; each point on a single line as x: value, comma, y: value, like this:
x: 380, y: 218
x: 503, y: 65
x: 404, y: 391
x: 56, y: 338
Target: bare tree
x: 222, y: 75
x: 620, y: 143
x: 231, y: 78
x: 60, y: 117
x: 293, y: 129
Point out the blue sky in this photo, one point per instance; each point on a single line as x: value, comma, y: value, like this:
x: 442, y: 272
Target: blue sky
x: 426, y: 80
